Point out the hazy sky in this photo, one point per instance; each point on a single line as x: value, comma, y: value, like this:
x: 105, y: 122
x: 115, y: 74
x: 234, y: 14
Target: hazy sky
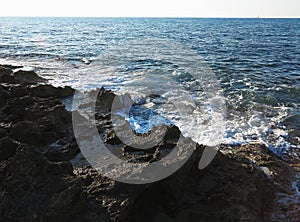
x: 153, y: 8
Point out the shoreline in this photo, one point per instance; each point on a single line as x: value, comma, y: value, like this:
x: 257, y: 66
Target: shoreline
x: 38, y: 179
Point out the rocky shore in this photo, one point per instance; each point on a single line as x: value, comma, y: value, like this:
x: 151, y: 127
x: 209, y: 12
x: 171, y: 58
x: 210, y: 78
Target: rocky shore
x: 43, y: 176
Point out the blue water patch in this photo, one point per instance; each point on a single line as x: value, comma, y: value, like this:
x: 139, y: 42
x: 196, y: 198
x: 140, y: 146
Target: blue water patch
x: 143, y: 119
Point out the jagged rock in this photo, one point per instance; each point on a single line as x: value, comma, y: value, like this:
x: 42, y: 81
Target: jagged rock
x: 2, y: 98
x: 62, y: 150
x: 46, y: 91
x: 17, y: 90
x: 34, y: 189
x: 225, y: 191
x: 21, y: 108
x: 38, y: 183
x: 111, y: 138
x: 11, y: 67
x: 5, y: 71
x: 31, y: 188
x: 3, y: 132
x: 8, y: 148
x: 56, y: 117
x: 27, y: 77
x: 172, y: 133
x: 105, y: 99
x: 32, y: 133
x: 5, y: 76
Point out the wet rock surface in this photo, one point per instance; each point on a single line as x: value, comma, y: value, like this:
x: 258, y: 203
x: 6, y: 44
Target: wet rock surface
x: 39, y: 183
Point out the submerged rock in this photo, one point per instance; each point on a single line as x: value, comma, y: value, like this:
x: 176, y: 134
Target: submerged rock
x: 86, y: 61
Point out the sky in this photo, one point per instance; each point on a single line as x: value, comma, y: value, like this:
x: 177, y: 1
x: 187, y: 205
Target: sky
x: 151, y: 8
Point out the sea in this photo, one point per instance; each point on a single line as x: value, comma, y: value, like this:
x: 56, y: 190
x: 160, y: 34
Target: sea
x: 255, y: 64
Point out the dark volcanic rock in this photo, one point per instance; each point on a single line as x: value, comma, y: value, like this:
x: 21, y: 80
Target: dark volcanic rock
x: 38, y: 183
x: 39, y: 127
x: 230, y: 189
x: 5, y: 75
x: 172, y: 133
x: 46, y: 91
x: 111, y: 138
x: 11, y: 67
x: 32, y: 133
x: 5, y: 71
x: 21, y: 108
x: 61, y: 150
x: 34, y: 189
x: 8, y: 148
x: 17, y: 90
x: 27, y: 77
x: 2, y: 98
x: 56, y: 116
x: 31, y: 187
x: 104, y: 97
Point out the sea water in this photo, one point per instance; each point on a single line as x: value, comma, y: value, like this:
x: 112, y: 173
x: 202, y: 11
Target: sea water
x: 257, y: 63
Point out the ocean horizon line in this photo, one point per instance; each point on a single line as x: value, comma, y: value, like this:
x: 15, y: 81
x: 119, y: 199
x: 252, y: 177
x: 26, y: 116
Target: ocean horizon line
x: 153, y: 17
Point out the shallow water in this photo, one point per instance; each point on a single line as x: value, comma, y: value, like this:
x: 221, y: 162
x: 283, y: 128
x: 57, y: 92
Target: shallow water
x: 257, y: 62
